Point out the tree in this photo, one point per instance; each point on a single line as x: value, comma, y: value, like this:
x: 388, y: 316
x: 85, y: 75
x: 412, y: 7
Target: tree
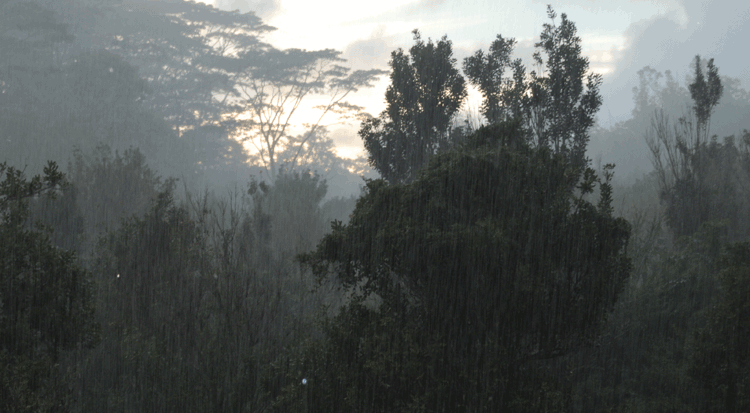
x: 195, y: 304
x: 706, y: 94
x: 62, y: 216
x: 319, y: 154
x: 720, y: 360
x: 558, y: 104
x: 273, y: 85
x: 30, y: 39
x: 698, y: 178
x: 672, y: 147
x: 502, y: 97
x: 662, y: 91
x: 111, y: 188
x: 211, y: 69
x: 642, y: 358
x: 208, y: 74
x: 425, y: 94
x: 464, y: 279
x: 89, y: 99
x: 293, y: 203
x: 46, y: 303
x: 651, y: 95
x: 186, y: 50
x: 220, y: 157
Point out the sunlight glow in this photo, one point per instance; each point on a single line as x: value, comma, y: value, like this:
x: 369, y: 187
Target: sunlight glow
x: 349, y: 152
x: 364, y: 34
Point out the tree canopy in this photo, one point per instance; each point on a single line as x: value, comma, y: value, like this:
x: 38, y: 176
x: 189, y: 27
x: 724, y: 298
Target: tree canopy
x: 46, y: 303
x: 488, y: 271
x: 700, y: 179
x: 720, y: 359
x: 207, y: 74
x: 488, y: 261
x: 558, y: 104
x: 425, y: 93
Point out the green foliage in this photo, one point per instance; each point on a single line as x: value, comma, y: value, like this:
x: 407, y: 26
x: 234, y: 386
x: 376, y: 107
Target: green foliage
x: 663, y: 91
x: 110, y: 187
x: 46, y: 304
x: 167, y: 339
x: 481, y: 282
x: 641, y: 361
x: 62, y: 216
x: 487, y: 262
x: 557, y: 105
x: 211, y: 77
x: 15, y: 190
x: 425, y: 93
x: 712, y: 188
x: 219, y: 156
x: 213, y: 74
x: 197, y: 303
x: 720, y: 359
x: 153, y: 275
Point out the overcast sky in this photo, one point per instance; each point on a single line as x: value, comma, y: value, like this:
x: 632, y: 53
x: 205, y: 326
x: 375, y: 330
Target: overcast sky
x: 619, y: 37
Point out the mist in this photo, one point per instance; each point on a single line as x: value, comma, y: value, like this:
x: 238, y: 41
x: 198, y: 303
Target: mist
x: 265, y: 206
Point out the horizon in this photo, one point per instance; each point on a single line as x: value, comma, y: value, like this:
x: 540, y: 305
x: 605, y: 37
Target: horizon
x: 619, y: 39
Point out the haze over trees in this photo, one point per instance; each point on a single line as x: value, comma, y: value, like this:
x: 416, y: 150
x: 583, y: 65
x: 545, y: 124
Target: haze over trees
x: 180, y: 250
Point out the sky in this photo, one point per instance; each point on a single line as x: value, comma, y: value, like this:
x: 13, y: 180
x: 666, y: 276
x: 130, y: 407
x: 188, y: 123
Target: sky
x: 619, y: 37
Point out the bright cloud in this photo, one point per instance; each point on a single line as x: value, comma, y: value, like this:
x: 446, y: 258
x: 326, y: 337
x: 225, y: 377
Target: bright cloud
x: 619, y: 38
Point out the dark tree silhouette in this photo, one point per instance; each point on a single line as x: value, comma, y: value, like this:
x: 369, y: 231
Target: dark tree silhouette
x: 46, y: 303
x: 464, y: 276
x: 425, y: 93
x: 558, y: 104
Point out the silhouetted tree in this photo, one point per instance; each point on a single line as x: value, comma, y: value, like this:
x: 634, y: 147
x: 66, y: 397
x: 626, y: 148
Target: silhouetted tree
x: 111, y: 187
x: 720, y: 360
x: 641, y: 359
x: 293, y: 205
x: 558, y: 104
x: 425, y: 94
x: 502, y: 97
x: 46, y: 303
x: 273, y: 84
x: 706, y: 93
x: 463, y: 279
x: 698, y: 178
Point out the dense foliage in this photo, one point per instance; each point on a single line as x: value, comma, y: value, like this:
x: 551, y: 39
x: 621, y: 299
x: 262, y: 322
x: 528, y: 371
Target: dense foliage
x: 558, y: 104
x: 468, y: 277
x: 425, y: 94
x: 721, y: 359
x: 46, y: 304
x: 491, y: 269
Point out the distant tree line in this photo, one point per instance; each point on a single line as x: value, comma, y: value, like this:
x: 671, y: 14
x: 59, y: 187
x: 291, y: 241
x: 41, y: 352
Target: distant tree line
x: 487, y: 270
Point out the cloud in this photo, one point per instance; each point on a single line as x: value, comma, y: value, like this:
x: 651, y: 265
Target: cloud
x: 372, y: 52
x: 346, y: 136
x: 264, y: 9
x: 668, y: 41
x: 422, y: 5
x: 671, y: 40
